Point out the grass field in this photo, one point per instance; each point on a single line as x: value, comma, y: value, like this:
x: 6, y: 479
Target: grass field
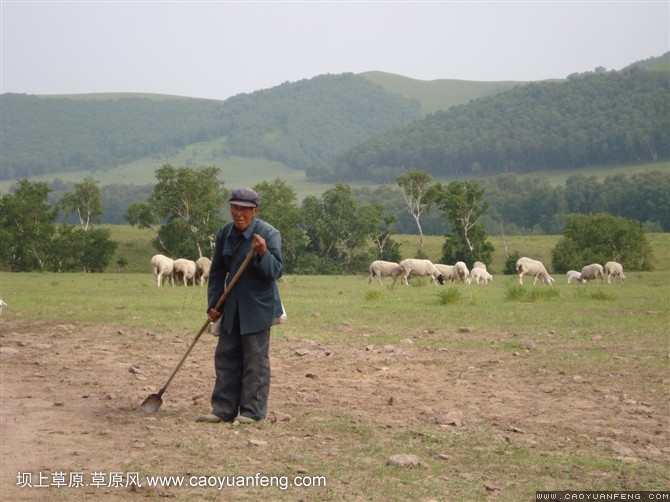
x: 497, y: 390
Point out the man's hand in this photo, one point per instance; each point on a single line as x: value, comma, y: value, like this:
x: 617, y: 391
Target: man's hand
x: 213, y: 315
x: 259, y: 245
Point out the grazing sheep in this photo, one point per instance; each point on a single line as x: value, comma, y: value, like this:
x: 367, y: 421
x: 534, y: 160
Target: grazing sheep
x: 184, y: 272
x: 462, y: 271
x: 479, y: 264
x: 447, y: 271
x: 451, y: 273
x: 422, y: 268
x: 528, y: 266
x: 572, y: 274
x: 614, y: 269
x: 2, y: 304
x: 590, y: 272
x: 202, y: 266
x: 480, y: 275
x: 381, y: 268
x: 162, y: 267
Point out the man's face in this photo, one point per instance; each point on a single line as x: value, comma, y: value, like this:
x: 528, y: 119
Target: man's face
x: 242, y: 216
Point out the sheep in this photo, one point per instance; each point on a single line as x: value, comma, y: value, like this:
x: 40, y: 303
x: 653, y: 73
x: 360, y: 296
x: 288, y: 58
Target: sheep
x: 590, y: 272
x: 572, y: 274
x: 479, y: 264
x: 162, y: 267
x: 184, y: 272
x: 480, y: 275
x: 457, y: 272
x: 528, y: 266
x: 462, y: 271
x: 2, y: 304
x: 202, y: 266
x: 381, y: 268
x: 614, y: 269
x: 414, y: 266
x: 447, y: 271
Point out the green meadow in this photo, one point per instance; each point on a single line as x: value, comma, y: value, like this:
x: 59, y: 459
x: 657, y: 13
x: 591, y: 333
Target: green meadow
x: 496, y: 390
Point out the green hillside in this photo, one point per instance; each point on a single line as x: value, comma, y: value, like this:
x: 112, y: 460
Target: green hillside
x: 438, y: 94
x: 607, y: 118
x: 299, y: 124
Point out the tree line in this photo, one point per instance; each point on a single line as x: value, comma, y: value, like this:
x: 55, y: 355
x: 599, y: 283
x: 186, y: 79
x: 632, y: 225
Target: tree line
x: 603, y: 118
x: 528, y: 205
x: 329, y: 234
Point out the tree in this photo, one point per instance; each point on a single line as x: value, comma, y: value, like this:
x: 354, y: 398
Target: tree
x: 280, y: 209
x: 32, y: 241
x: 184, y: 209
x: 601, y: 238
x: 415, y: 186
x: 28, y: 225
x: 85, y: 202
x: 336, y: 228
x: 464, y: 206
x: 387, y: 248
x: 74, y: 249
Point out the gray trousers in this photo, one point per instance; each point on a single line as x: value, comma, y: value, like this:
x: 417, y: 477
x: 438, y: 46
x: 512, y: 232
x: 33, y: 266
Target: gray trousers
x: 242, y: 364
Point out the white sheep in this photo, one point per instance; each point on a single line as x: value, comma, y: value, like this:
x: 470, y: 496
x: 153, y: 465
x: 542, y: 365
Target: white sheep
x: 451, y: 273
x: 480, y: 275
x: 462, y: 271
x: 535, y: 268
x: 572, y: 274
x: 162, y: 267
x: 381, y: 268
x: 447, y: 271
x: 591, y: 272
x: 184, y: 272
x: 479, y: 264
x: 421, y: 268
x: 614, y: 269
x: 202, y: 266
x: 2, y: 304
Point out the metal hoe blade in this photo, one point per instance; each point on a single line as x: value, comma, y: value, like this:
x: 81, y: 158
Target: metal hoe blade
x: 152, y: 403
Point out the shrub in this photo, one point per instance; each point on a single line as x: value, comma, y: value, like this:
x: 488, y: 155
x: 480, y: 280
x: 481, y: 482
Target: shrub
x: 449, y: 296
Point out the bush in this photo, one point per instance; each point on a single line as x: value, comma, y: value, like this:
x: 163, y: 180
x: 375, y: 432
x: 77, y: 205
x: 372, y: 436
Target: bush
x: 449, y: 296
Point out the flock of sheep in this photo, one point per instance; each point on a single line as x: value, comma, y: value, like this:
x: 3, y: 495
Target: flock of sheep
x: 426, y: 268
x: 180, y: 272
x: 597, y: 271
x: 183, y: 272
x: 459, y: 271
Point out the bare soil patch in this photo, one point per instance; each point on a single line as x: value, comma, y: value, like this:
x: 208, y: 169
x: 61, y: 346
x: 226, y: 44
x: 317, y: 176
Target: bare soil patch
x: 71, y: 395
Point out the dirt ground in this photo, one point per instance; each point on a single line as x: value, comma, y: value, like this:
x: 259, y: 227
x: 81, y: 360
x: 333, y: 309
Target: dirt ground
x: 71, y: 395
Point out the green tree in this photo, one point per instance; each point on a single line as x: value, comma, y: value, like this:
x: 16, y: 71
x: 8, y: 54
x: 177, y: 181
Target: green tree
x: 386, y: 248
x: 28, y: 225
x: 601, y: 238
x: 464, y: 207
x: 85, y: 202
x: 415, y: 187
x: 185, y: 210
x: 74, y: 249
x: 337, y: 229
x: 279, y: 208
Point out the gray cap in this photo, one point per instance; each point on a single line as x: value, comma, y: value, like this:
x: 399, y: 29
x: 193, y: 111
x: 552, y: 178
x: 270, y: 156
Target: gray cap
x: 245, y: 197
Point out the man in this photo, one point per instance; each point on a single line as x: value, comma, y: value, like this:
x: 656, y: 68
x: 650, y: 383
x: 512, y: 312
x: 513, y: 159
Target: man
x: 241, y: 359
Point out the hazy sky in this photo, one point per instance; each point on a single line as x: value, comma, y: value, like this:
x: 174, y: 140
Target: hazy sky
x: 219, y: 49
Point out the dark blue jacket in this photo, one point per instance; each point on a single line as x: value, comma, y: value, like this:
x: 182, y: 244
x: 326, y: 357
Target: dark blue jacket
x: 255, y: 297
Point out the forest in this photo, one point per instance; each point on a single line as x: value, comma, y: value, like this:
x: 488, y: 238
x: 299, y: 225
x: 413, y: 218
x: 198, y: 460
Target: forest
x: 300, y: 124
x: 607, y: 118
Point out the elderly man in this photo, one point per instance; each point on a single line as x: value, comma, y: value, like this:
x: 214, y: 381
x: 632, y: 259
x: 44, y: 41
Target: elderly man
x: 241, y: 359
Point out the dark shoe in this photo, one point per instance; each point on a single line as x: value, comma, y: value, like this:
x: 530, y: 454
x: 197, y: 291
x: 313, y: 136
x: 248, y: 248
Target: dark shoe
x: 210, y: 418
x: 244, y: 420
